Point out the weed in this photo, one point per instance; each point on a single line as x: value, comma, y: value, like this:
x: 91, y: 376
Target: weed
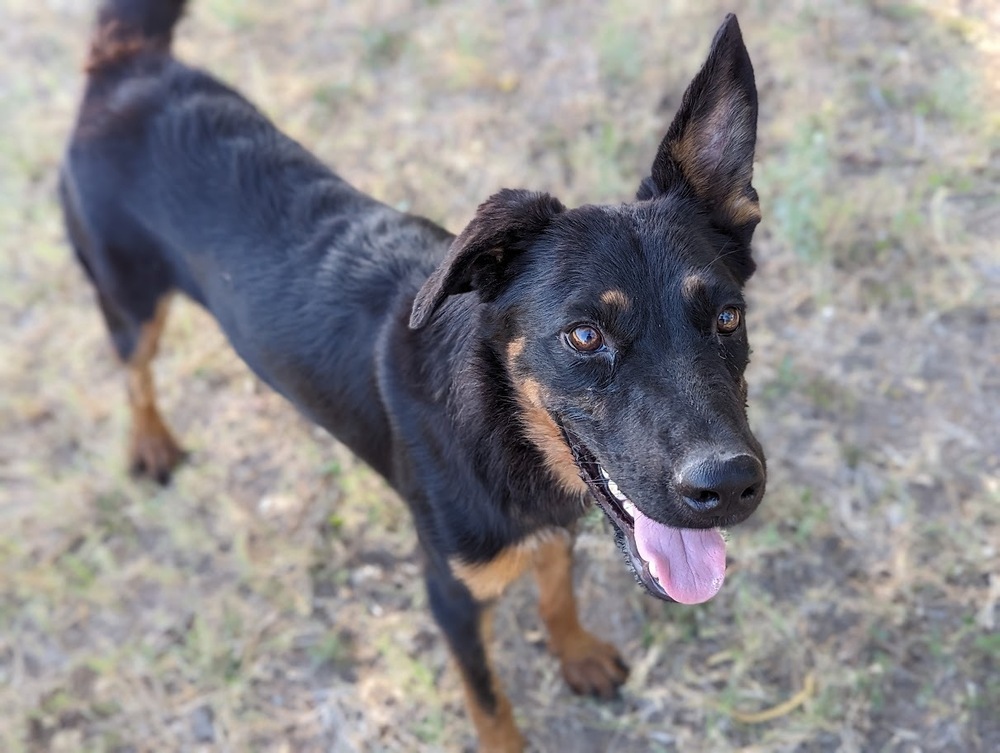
x: 795, y: 185
x: 382, y: 46
x: 619, y: 49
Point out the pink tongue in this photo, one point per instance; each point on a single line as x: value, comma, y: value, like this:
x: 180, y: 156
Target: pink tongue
x: 689, y: 563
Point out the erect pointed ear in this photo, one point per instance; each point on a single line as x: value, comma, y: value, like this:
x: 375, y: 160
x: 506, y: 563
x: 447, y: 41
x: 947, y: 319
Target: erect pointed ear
x: 710, y: 144
x: 505, y: 225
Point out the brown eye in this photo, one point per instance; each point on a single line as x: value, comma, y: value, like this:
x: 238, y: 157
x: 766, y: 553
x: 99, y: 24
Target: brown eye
x: 728, y: 320
x: 585, y: 338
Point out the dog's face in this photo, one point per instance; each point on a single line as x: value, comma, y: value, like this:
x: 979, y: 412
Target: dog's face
x: 624, y: 332
x: 630, y: 334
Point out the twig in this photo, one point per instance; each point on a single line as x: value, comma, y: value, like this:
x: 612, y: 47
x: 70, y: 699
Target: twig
x: 759, y: 717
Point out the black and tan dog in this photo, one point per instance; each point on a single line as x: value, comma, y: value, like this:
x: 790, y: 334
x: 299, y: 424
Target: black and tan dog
x: 500, y: 380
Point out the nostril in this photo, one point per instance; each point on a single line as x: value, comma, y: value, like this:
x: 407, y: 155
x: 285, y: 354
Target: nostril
x: 707, y: 498
x: 749, y: 493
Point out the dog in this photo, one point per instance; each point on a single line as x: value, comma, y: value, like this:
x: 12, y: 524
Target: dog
x: 501, y: 380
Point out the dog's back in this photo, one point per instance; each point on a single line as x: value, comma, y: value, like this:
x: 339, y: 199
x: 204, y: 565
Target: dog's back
x: 173, y: 181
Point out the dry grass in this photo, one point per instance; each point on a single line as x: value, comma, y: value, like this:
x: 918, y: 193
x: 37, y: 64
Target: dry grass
x: 270, y: 599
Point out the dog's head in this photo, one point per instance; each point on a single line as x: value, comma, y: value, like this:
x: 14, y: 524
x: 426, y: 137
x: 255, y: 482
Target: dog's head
x: 624, y: 332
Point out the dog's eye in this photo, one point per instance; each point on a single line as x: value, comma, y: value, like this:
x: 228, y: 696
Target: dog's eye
x: 728, y: 320
x: 585, y: 338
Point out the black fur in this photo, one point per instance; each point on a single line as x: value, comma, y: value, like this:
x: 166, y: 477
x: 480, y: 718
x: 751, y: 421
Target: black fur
x: 395, y: 336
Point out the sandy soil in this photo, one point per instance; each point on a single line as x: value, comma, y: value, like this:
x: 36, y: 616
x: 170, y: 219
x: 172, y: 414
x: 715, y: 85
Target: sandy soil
x: 270, y: 599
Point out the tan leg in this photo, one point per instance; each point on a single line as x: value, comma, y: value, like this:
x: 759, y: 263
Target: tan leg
x: 495, y: 727
x: 461, y: 597
x: 589, y: 665
x: 152, y: 450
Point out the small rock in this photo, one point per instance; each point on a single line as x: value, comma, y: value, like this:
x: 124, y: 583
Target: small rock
x: 203, y: 724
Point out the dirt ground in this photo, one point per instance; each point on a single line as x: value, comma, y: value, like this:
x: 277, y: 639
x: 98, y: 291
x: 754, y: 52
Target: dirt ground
x: 270, y: 599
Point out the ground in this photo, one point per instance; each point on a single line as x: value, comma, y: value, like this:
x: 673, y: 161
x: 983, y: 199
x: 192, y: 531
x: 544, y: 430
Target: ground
x: 270, y: 599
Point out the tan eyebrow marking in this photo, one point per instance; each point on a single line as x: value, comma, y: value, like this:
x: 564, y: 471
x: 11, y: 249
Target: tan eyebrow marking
x: 615, y: 297
x: 692, y: 287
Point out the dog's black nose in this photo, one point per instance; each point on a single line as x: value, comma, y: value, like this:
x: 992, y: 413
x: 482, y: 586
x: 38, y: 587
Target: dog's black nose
x: 722, y: 485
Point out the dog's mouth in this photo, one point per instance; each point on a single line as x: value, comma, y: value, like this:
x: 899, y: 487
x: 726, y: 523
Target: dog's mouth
x: 686, y: 565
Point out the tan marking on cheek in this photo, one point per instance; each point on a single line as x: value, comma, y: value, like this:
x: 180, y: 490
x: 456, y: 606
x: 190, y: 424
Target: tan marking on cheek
x: 616, y: 298
x: 514, y: 350
x: 532, y: 391
x: 540, y: 428
x: 487, y: 581
x: 546, y: 435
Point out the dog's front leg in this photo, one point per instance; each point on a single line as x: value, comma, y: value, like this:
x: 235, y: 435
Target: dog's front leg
x: 589, y: 665
x: 466, y: 623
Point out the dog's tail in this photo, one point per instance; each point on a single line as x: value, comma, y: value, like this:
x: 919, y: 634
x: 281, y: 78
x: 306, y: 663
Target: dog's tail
x: 126, y: 28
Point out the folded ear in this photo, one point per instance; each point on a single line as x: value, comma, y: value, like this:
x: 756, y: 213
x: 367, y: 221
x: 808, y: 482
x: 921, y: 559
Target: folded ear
x: 709, y: 146
x: 505, y: 225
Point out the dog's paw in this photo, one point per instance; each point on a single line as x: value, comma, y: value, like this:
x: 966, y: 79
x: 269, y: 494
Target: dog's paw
x: 154, y: 453
x: 591, y: 666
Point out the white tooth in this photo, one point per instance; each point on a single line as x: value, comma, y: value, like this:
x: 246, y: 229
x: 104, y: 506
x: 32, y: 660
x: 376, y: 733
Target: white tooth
x: 630, y: 508
x: 603, y: 472
x: 652, y: 571
x: 613, y: 488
